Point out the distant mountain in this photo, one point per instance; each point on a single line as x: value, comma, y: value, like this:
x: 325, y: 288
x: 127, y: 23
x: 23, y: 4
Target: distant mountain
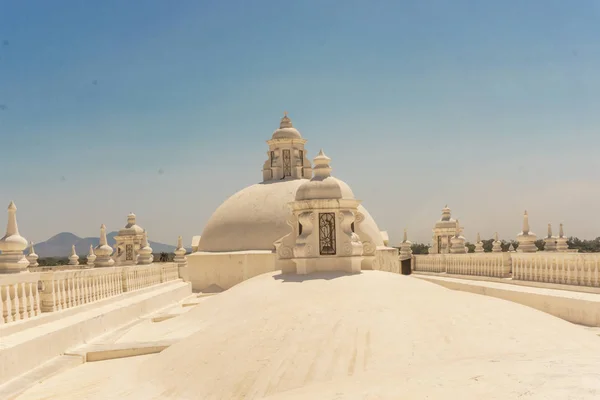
x: 60, y: 245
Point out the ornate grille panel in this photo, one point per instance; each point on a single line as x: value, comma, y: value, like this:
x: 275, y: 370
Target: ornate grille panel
x: 327, y: 233
x: 287, y: 163
x: 129, y: 252
x: 272, y: 159
x: 301, y: 156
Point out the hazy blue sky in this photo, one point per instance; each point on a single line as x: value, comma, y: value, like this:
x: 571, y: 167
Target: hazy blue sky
x: 492, y: 107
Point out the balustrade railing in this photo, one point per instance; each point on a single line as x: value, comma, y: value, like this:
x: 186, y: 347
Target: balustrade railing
x: 568, y: 268
x: 28, y: 294
x: 580, y: 269
x: 19, y: 297
x: 496, y: 265
x: 477, y: 264
x: 430, y: 263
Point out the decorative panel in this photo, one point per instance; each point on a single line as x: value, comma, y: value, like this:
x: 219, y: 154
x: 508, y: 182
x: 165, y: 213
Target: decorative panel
x: 327, y: 233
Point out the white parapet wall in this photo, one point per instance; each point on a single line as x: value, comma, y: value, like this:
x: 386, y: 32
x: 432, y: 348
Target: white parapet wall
x: 567, y: 268
x: 387, y: 259
x: 227, y: 269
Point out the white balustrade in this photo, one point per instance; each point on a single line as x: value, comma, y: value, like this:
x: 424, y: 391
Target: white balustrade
x: 430, y: 263
x: 580, y: 269
x: 26, y: 295
x: 477, y: 264
x: 19, y: 297
x: 495, y: 265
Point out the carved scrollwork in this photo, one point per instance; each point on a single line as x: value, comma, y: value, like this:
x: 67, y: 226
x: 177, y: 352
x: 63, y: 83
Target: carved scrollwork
x: 347, y: 249
x: 309, y: 250
x: 368, y: 248
x: 360, y: 217
x: 285, y: 252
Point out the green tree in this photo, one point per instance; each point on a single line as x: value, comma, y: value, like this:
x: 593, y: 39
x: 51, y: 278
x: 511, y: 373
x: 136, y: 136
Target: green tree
x: 420, y: 248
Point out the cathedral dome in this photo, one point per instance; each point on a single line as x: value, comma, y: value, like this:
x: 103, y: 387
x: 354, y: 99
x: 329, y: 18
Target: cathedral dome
x: 286, y: 130
x: 255, y: 217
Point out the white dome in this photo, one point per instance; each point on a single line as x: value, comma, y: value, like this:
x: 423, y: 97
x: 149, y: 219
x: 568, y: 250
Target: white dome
x: 287, y: 133
x: 328, y: 188
x: 131, y: 229
x: 286, y: 130
x: 255, y: 217
x: 323, y: 185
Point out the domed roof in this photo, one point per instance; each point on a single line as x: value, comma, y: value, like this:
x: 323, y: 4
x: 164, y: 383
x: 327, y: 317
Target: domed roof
x: 446, y: 221
x: 355, y: 337
x: 255, y: 217
x: 323, y: 185
x: 286, y: 130
x: 131, y: 228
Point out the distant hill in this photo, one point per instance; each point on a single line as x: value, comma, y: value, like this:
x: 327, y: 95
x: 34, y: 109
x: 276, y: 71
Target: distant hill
x: 60, y: 245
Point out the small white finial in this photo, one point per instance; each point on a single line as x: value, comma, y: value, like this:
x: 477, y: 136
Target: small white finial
x: 286, y: 122
x: 525, y: 223
x: 496, y: 236
x: 561, y: 232
x: 322, y: 167
x: 179, y: 242
x: 405, y: 235
x: 12, y: 241
x: 12, y: 227
x: 549, y: 230
x: 103, y: 241
x: 91, y: 253
x: 478, y: 238
x: 73, y: 258
x: 144, y: 239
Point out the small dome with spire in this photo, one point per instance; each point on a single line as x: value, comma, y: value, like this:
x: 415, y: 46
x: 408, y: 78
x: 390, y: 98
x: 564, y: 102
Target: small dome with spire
x: 131, y: 228
x: 103, y: 249
x: 12, y: 241
x: 446, y: 221
x: 323, y: 185
x: 286, y: 129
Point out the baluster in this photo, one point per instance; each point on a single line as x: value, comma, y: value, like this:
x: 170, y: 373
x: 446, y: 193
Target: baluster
x: 1, y: 308
x: 68, y: 296
x: 63, y: 294
x: 108, y: 286
x: 85, y: 282
x: 35, y: 300
x: 103, y: 289
x: 25, y: 302
x: 74, y: 291
x: 82, y: 288
x: 8, y: 305
x: 78, y: 300
x: 15, y: 310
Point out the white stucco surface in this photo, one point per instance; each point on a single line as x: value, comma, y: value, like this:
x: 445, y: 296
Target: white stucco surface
x: 374, y: 335
x: 255, y: 217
